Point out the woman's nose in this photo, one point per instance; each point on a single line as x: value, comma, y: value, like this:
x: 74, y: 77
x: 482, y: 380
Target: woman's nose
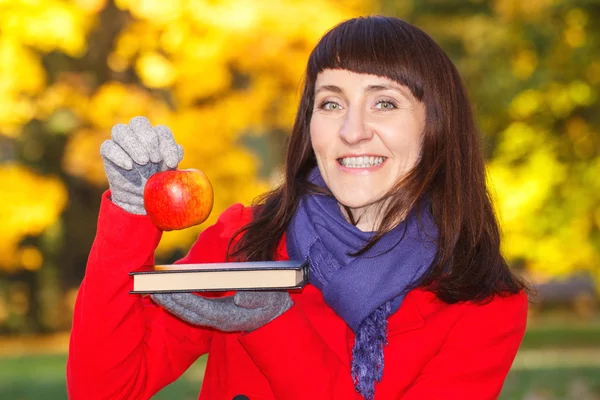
x: 354, y: 129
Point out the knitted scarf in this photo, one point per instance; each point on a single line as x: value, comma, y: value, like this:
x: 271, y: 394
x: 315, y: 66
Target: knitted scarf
x: 365, y: 290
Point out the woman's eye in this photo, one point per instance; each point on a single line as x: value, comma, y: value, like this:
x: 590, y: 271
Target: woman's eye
x: 385, y: 105
x: 330, y: 106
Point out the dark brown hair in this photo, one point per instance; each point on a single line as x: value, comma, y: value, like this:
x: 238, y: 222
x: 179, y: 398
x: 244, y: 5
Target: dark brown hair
x: 450, y: 172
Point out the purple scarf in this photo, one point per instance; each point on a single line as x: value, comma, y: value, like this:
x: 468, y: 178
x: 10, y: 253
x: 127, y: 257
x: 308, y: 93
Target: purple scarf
x: 364, y: 291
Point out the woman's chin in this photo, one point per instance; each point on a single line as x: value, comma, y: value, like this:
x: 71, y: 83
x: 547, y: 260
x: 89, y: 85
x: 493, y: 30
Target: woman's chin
x: 356, y: 204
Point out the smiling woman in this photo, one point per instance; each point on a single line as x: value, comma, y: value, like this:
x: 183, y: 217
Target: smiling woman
x: 366, y: 133
x: 384, y: 195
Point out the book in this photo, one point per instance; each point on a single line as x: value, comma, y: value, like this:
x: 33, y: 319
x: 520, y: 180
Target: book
x: 250, y: 275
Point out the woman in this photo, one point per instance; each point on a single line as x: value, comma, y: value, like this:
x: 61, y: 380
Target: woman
x: 384, y: 193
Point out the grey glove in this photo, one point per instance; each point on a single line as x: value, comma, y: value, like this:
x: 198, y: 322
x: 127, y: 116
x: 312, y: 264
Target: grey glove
x: 134, y: 153
x: 244, y: 311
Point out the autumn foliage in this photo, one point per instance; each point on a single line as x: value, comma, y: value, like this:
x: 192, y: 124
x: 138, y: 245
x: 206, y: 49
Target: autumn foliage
x: 225, y: 77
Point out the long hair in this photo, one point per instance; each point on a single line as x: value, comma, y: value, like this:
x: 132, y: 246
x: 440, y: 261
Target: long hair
x: 450, y: 171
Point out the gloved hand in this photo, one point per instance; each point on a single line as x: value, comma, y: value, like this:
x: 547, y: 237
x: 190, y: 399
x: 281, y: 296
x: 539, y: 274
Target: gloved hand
x: 244, y: 311
x: 134, y: 153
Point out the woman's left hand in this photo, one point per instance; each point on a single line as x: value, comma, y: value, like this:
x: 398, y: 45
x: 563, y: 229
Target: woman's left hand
x: 244, y: 311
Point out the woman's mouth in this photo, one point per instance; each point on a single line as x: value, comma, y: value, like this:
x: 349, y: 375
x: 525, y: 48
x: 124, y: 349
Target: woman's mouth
x: 361, y: 161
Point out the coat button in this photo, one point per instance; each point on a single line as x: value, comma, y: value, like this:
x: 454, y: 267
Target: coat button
x: 240, y: 397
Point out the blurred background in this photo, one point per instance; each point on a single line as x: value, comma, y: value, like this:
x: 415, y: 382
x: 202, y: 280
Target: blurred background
x: 225, y: 75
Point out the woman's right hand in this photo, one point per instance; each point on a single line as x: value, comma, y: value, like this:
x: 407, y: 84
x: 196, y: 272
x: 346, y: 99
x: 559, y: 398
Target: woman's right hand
x: 134, y: 153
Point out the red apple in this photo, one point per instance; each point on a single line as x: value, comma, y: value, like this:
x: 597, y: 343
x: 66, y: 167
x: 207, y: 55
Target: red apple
x: 178, y: 199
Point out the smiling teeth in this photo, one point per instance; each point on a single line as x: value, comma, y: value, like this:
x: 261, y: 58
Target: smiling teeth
x: 361, y: 162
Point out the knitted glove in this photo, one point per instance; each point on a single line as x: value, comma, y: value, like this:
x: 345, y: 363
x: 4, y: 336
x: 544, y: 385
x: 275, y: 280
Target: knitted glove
x: 134, y: 153
x: 244, y: 311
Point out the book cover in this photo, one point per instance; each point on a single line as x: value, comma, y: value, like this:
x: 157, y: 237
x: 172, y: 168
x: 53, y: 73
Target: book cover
x: 231, y: 276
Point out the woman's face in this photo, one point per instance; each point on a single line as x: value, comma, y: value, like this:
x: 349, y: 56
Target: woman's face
x: 366, y: 133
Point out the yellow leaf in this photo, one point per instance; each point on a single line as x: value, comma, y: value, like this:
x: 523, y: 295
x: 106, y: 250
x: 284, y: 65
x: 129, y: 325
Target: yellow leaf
x: 155, y: 70
x: 82, y: 156
x: 31, y: 258
x: 23, y: 211
x: 524, y: 64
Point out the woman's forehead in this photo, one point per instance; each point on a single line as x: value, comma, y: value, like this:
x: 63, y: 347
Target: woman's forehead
x: 344, y: 75
x: 330, y: 79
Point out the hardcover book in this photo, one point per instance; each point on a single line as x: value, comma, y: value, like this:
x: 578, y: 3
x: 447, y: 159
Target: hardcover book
x: 251, y: 275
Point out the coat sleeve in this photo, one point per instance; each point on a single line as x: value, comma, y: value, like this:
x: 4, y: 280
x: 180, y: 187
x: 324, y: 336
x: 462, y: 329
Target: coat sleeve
x: 477, y: 355
x: 123, y: 346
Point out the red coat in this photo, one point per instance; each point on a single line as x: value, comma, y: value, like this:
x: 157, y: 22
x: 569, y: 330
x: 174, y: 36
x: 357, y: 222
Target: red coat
x: 123, y: 346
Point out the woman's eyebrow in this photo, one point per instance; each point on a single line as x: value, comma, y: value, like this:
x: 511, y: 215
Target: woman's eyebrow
x: 328, y: 88
x: 382, y: 87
